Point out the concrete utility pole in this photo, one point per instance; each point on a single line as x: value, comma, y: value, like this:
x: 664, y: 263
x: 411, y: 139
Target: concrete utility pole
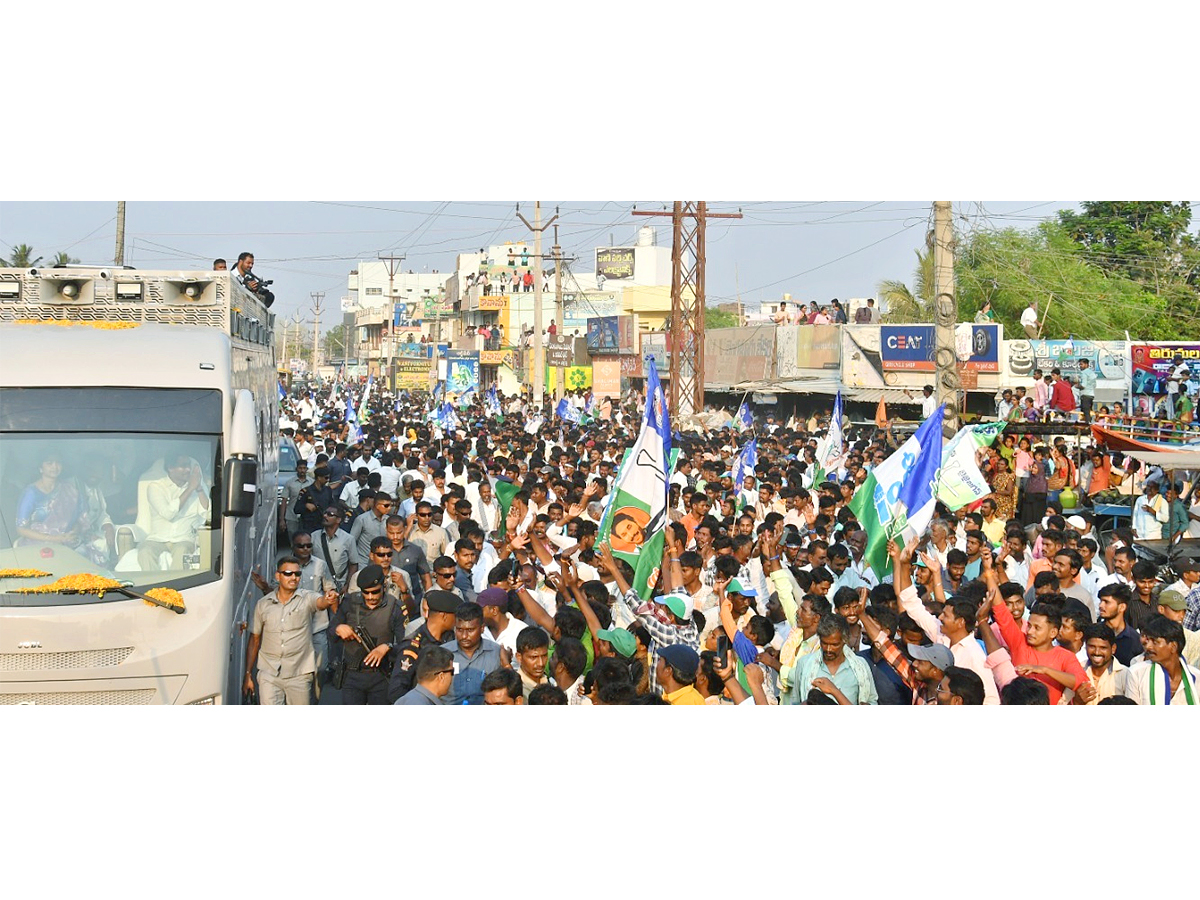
x: 539, y: 352
x: 559, y: 387
x: 318, y: 297
x: 119, y: 256
x: 393, y: 264
x: 689, y: 220
x: 945, y: 315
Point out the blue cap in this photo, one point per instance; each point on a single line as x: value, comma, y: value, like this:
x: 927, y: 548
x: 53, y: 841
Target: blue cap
x: 681, y: 657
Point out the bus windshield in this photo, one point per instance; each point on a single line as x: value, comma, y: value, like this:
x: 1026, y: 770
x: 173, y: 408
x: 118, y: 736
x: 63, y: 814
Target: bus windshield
x: 115, y: 496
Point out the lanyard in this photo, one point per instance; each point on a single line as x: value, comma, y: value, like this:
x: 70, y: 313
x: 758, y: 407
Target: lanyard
x: 1187, y: 685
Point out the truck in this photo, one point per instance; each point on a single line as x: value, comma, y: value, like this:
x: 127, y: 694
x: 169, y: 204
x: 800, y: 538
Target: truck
x: 139, y: 445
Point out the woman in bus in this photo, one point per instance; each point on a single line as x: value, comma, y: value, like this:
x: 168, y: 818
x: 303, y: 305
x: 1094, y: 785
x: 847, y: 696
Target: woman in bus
x: 49, y: 509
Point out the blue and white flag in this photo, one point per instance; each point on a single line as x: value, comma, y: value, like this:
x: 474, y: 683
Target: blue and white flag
x: 744, y: 420
x: 362, y: 404
x: 282, y: 392
x: 437, y: 392
x: 831, y: 447
x: 745, y: 464
x: 448, y: 418
x: 567, y: 412
x: 354, y: 435
x: 918, y: 494
x: 492, y: 404
x: 657, y: 414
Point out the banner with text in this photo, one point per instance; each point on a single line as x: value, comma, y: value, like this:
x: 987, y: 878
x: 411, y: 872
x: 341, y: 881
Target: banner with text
x: 615, y: 263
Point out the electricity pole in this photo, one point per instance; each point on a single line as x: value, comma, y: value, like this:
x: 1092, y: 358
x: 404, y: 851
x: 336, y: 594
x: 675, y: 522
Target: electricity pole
x: 688, y: 220
x: 539, y: 353
x: 392, y: 263
x: 119, y: 256
x: 318, y: 297
x: 559, y: 387
x: 945, y: 314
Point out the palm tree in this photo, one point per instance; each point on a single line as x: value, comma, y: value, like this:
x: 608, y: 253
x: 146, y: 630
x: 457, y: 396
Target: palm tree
x: 904, y: 305
x: 62, y: 258
x: 22, y: 257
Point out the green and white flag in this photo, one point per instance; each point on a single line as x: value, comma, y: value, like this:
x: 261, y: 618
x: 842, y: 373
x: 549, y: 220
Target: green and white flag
x: 636, y: 514
x: 960, y: 482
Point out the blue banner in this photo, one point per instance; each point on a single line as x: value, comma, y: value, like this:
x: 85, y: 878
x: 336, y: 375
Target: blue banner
x: 462, y: 371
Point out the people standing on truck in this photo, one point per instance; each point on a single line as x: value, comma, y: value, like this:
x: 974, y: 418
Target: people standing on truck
x: 244, y: 265
x: 219, y: 265
x: 178, y: 505
x: 281, y: 645
x: 1087, y: 389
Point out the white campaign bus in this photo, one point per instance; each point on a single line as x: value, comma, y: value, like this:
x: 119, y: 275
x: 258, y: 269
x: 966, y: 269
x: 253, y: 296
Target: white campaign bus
x: 138, y: 442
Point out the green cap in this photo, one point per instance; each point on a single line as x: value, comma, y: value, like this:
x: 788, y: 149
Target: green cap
x: 622, y: 641
x: 736, y: 587
x: 1172, y: 600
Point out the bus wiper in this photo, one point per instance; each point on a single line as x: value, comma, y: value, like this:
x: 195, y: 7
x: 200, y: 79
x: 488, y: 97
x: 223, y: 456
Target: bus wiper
x: 126, y: 588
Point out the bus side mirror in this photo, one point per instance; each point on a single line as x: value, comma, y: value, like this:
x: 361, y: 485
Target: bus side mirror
x: 241, y: 487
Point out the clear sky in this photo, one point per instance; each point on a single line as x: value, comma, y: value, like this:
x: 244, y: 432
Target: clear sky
x: 814, y: 250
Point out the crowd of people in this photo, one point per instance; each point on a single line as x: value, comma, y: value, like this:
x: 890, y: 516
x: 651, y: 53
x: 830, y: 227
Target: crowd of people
x: 463, y: 566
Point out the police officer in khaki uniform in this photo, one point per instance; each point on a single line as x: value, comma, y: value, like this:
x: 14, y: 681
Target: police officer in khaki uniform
x: 438, y: 627
x: 368, y: 624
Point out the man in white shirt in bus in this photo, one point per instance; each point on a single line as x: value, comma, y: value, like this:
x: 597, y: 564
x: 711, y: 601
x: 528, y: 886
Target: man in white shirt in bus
x: 178, y: 506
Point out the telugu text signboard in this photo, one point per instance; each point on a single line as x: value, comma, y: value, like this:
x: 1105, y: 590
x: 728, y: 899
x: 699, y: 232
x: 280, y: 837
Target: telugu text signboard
x: 579, y: 307
x: 1152, y: 365
x: 615, y: 263
x: 561, y: 351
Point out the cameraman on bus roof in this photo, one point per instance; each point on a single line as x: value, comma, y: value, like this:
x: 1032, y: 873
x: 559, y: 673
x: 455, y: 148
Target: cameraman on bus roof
x: 243, y: 275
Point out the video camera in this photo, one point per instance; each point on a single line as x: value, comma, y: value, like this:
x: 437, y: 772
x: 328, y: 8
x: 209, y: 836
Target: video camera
x: 259, y: 289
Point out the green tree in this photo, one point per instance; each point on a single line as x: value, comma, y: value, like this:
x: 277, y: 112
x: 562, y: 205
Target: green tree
x: 718, y: 318
x: 904, y: 304
x: 335, y: 342
x: 1147, y: 241
x: 62, y: 258
x: 1010, y: 267
x: 22, y: 257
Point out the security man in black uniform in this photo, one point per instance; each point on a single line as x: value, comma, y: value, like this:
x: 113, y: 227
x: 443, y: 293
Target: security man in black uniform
x: 437, y: 628
x: 369, y: 624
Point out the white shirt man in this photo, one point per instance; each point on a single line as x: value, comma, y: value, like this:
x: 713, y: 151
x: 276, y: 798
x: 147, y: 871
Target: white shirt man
x: 929, y: 405
x: 178, y: 505
x: 1029, y: 320
x: 371, y: 463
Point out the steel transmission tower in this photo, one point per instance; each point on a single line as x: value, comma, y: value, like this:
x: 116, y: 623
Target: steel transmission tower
x: 688, y: 224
